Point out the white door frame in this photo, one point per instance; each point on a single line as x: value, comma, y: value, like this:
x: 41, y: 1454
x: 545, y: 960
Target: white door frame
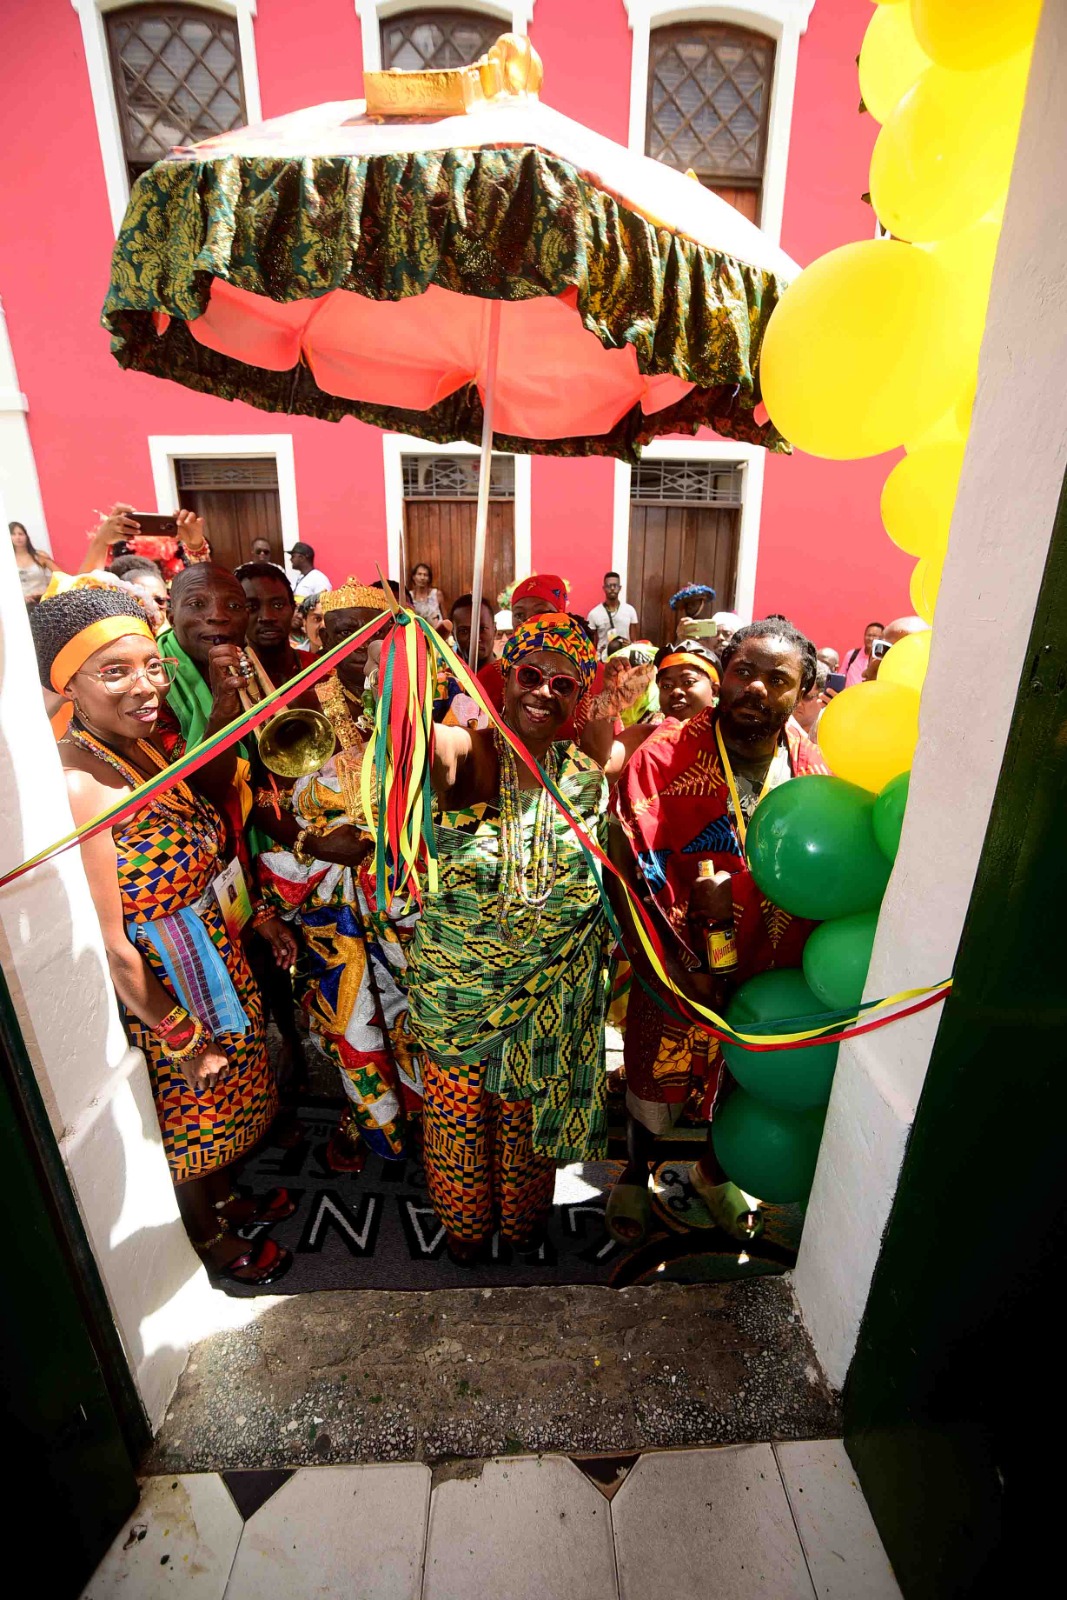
x: 751, y: 458
x: 165, y: 449
x: 397, y: 445
x: 781, y: 20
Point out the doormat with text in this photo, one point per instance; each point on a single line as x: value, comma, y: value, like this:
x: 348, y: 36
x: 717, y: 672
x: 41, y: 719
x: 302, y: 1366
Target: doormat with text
x: 377, y: 1230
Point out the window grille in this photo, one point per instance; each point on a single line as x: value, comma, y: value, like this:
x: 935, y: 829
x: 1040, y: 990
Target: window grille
x: 693, y: 483
x: 176, y: 72
x: 709, y: 90
x: 417, y: 40
x: 437, y: 477
x: 209, y: 472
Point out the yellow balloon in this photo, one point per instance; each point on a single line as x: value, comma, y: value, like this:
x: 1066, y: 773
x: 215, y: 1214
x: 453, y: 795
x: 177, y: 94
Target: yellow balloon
x: 965, y: 403
x: 967, y: 257
x: 968, y: 34
x: 906, y: 662
x: 944, y: 156
x: 868, y: 733
x: 890, y: 59
x: 918, y: 496
x: 861, y: 351
x: 946, y: 430
x: 923, y: 587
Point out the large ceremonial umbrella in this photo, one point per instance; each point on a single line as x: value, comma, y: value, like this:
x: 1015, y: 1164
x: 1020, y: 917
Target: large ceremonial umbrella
x: 500, y: 274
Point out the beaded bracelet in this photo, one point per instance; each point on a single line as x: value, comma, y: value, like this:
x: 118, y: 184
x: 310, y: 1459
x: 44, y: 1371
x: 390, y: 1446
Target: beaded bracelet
x: 195, y: 1043
x: 300, y: 849
x: 261, y: 915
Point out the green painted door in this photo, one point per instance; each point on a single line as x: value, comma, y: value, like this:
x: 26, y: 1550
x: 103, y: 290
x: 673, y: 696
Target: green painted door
x: 71, y: 1421
x: 953, y: 1397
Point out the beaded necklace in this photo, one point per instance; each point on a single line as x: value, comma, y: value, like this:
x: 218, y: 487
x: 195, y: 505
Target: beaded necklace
x: 527, y: 883
x: 182, y: 802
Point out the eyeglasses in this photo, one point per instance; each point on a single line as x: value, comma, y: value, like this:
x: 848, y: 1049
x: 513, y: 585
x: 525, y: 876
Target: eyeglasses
x: 158, y: 674
x: 560, y: 683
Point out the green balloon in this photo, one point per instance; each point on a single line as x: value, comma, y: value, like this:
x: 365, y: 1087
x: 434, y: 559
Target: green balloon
x: 836, y: 958
x: 812, y: 850
x: 795, y: 1080
x: 887, y: 818
x: 768, y: 1152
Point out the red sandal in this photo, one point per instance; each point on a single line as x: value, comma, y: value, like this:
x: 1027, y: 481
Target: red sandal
x: 263, y: 1263
x: 277, y: 1205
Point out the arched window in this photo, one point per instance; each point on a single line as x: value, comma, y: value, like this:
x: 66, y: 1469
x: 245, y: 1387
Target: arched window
x: 709, y: 92
x: 176, y: 72
x: 418, y: 40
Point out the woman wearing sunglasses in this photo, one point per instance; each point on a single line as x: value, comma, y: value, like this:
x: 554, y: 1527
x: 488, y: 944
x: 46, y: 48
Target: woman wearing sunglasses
x: 507, y: 968
x: 187, y: 993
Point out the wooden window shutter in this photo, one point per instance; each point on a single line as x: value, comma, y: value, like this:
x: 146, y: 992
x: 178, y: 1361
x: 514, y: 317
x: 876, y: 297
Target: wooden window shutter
x: 418, y: 40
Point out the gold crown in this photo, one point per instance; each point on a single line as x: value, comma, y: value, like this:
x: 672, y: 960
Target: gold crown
x: 353, y: 596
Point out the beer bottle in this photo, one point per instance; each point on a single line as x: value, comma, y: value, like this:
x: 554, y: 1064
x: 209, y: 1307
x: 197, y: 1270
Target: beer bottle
x: 722, y: 940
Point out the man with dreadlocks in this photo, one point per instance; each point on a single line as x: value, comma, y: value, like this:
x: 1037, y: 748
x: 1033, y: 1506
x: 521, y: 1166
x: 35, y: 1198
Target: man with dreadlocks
x: 355, y: 996
x: 186, y: 990
x: 686, y: 797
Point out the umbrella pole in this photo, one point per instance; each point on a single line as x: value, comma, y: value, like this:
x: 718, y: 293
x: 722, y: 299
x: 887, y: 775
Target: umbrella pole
x: 484, y: 470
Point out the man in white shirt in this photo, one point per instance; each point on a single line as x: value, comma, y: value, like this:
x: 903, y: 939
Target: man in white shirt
x: 309, y: 579
x: 613, y: 616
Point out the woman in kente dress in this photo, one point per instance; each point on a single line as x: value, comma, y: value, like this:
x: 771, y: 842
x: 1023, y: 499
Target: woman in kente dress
x: 187, y: 994
x: 507, y: 970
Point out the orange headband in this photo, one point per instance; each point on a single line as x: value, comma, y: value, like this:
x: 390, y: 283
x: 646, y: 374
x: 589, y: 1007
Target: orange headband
x: 682, y: 658
x: 76, y: 652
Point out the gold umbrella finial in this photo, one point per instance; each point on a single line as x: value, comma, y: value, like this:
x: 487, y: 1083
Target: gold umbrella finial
x: 511, y: 69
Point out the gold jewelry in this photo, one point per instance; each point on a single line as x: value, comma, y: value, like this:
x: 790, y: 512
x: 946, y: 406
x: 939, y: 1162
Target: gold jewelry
x: 355, y: 596
x: 306, y: 857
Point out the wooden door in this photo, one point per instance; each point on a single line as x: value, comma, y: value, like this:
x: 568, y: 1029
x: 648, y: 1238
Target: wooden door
x: 238, y: 501
x: 441, y: 533
x: 672, y: 545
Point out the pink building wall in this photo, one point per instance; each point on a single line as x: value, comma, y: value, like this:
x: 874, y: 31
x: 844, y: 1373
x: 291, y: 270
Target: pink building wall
x: 823, y: 556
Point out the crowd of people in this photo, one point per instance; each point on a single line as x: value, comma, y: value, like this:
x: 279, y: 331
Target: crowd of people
x: 470, y: 1034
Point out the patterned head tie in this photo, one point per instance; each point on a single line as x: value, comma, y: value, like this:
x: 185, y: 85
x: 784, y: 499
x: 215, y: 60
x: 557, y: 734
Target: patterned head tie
x: 544, y: 586
x: 74, y: 624
x: 554, y: 631
x: 691, y: 591
x: 355, y: 596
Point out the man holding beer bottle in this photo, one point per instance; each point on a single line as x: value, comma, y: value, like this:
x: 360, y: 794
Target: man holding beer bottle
x: 681, y: 811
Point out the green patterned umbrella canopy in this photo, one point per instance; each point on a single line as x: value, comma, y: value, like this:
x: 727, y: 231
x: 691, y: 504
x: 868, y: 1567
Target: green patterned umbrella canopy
x: 332, y: 264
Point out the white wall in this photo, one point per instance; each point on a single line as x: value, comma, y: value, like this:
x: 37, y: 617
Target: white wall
x: 1013, y: 472
x: 95, y: 1087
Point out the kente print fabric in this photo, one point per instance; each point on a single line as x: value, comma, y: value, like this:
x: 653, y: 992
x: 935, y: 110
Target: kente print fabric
x: 168, y: 856
x: 495, y: 222
x: 355, y: 991
x: 531, y: 1005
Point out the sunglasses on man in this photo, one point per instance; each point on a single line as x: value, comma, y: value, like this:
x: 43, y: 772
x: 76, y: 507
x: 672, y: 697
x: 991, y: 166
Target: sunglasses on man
x: 561, y: 684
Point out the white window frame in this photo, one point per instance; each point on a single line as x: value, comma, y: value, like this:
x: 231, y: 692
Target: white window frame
x: 91, y: 14
x: 371, y: 13
x: 781, y: 20
x: 165, y: 449
x: 751, y: 458
x: 396, y: 445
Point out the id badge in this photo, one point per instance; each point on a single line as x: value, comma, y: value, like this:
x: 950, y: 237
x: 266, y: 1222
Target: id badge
x: 231, y: 892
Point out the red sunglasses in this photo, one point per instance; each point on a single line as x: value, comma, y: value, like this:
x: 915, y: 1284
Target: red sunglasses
x: 560, y: 683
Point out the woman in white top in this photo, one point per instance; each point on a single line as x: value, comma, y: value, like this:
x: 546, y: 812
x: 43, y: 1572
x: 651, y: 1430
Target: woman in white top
x: 425, y: 599
x: 35, y: 566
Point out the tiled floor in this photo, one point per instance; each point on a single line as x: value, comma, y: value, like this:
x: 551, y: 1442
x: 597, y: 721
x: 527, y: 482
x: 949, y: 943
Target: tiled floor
x: 752, y: 1522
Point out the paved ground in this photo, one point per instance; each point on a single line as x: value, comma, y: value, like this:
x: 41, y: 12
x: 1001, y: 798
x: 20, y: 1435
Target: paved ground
x: 432, y: 1377
x: 755, y: 1522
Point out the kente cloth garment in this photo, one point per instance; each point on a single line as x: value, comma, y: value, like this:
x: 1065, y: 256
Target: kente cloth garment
x: 482, y: 1171
x: 673, y: 803
x: 529, y: 1002
x: 168, y: 856
x: 182, y: 723
x: 355, y: 993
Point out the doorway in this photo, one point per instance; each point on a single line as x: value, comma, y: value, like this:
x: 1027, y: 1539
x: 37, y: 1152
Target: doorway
x: 440, y: 503
x: 238, y: 500
x: 685, y: 526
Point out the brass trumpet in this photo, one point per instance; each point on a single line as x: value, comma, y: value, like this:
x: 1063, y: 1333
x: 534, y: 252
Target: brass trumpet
x: 296, y: 742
